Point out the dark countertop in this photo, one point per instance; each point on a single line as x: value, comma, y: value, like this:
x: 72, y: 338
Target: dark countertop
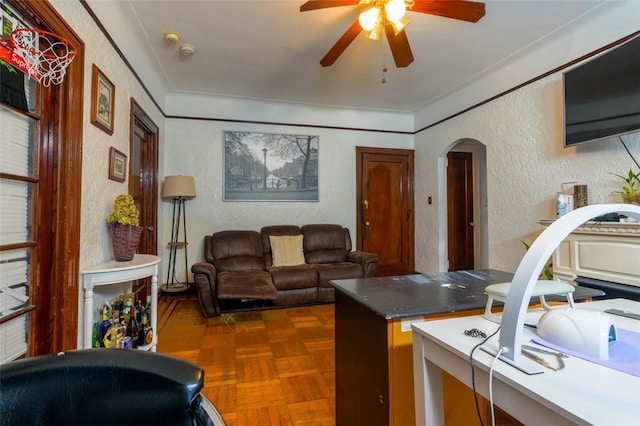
x: 425, y: 294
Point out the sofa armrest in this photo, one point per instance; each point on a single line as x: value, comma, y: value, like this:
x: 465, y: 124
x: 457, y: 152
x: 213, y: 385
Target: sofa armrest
x: 204, y: 276
x: 368, y: 261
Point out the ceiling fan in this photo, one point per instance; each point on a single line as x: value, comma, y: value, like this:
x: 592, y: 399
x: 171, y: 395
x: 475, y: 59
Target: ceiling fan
x: 387, y: 16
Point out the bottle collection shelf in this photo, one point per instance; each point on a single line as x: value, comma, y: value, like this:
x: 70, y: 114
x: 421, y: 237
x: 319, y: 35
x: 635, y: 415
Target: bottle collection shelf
x: 112, y: 272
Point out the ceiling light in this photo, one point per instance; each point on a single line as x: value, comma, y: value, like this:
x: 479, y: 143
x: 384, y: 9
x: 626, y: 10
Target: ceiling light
x: 384, y: 12
x: 369, y: 19
x: 395, y: 10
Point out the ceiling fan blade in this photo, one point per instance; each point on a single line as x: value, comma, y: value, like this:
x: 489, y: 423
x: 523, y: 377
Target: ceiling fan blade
x: 469, y: 11
x: 325, y: 4
x: 341, y: 44
x: 399, y: 45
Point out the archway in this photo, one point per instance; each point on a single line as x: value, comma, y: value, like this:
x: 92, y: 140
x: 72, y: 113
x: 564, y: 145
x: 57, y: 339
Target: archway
x: 478, y: 162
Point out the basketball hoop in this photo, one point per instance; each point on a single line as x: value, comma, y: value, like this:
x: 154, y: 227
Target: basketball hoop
x: 44, y: 56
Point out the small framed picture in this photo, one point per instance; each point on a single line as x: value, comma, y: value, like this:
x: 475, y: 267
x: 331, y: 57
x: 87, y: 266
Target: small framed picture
x: 117, y: 165
x: 103, y: 94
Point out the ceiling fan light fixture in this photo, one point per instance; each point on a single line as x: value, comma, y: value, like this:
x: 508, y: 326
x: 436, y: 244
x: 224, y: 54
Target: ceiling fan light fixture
x: 395, y: 10
x: 376, y: 32
x: 369, y: 19
x: 399, y: 26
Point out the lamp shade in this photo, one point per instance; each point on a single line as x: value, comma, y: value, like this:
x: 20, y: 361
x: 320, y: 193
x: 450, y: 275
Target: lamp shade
x: 179, y: 186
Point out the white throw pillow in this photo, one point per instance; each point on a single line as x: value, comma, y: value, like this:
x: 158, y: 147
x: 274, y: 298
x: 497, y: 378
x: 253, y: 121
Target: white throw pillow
x: 286, y: 250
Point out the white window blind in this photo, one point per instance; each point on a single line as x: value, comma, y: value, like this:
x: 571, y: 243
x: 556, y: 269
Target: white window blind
x: 16, y: 199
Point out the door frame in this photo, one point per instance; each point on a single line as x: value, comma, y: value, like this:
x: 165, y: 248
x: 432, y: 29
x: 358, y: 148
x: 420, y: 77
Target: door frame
x: 149, y: 185
x: 480, y: 197
x: 463, y: 205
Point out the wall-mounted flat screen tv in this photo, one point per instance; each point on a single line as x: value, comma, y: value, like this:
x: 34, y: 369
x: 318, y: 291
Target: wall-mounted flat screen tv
x: 602, y: 96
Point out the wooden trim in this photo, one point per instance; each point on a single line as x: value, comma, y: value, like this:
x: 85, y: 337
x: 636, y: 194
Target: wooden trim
x: 278, y: 123
x: 19, y: 312
x: 18, y: 178
x: 138, y: 115
x: 17, y: 246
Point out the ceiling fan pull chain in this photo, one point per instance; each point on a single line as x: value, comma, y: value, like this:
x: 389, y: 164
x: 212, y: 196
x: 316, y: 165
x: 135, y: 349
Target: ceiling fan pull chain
x: 384, y: 64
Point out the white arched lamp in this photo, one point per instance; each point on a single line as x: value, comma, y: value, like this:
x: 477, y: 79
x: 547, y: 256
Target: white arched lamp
x: 179, y: 189
x: 526, y: 276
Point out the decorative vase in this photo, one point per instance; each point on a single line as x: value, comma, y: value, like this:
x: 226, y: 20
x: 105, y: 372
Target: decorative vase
x: 632, y: 198
x: 124, y: 240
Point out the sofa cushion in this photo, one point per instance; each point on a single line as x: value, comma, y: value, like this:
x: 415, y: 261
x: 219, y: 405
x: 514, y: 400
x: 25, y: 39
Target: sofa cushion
x: 297, y: 296
x: 325, y: 243
x: 237, y: 251
x: 294, y: 277
x: 275, y: 230
x: 337, y: 271
x: 286, y: 250
x: 246, y: 285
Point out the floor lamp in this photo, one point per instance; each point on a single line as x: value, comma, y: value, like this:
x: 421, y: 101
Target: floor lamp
x: 179, y: 189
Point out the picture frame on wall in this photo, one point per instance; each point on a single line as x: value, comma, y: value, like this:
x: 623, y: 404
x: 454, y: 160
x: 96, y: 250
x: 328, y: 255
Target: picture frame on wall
x: 117, y: 165
x: 270, y: 167
x: 103, y: 94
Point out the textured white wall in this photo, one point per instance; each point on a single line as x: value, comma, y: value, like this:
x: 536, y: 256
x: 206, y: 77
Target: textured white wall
x: 196, y: 149
x: 98, y: 191
x: 526, y: 166
x: 611, y: 21
x: 522, y: 132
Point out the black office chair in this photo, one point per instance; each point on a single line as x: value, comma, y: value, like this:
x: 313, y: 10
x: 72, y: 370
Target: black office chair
x: 104, y: 387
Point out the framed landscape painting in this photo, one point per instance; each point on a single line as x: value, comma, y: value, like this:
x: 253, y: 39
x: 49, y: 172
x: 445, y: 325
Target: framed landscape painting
x: 270, y: 167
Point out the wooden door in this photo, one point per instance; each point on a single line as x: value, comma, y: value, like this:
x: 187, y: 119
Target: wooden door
x: 385, y: 216
x: 460, y: 211
x: 143, y: 180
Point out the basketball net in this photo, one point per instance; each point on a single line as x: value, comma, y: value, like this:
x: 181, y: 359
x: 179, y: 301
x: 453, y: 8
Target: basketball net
x: 42, y: 55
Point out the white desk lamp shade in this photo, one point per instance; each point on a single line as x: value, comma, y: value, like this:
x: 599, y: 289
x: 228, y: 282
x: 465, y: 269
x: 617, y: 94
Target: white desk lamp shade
x: 179, y: 187
x: 535, y: 258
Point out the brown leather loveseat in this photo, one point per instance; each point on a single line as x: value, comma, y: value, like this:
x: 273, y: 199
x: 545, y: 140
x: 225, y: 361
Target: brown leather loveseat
x: 282, y: 265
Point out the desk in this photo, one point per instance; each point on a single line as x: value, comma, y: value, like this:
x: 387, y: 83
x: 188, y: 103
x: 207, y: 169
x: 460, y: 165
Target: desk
x: 374, y: 369
x: 581, y: 393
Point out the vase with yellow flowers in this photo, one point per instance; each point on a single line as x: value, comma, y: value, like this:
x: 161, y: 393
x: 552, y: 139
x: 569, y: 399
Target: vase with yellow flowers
x: 124, y: 229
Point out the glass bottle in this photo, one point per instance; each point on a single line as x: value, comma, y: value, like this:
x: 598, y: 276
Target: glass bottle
x: 105, y: 325
x: 141, y: 331
x: 133, y: 327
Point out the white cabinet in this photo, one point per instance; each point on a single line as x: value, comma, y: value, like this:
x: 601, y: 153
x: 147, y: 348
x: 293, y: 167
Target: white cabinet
x: 604, y: 251
x: 112, y: 272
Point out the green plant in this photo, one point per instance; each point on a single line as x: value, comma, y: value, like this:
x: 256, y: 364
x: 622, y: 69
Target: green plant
x: 124, y: 211
x: 631, y: 190
x: 547, y: 272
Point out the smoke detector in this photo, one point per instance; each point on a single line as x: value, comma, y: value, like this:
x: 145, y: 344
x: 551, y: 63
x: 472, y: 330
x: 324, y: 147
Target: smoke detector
x: 187, y: 50
x: 171, y: 36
